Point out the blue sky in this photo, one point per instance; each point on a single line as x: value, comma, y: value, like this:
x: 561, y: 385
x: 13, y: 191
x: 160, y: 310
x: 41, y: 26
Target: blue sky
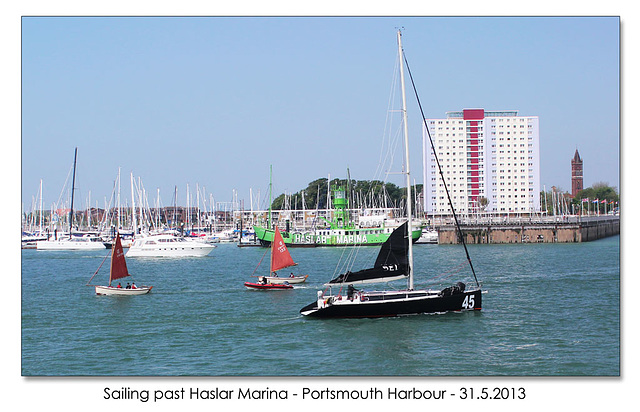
x: 215, y: 101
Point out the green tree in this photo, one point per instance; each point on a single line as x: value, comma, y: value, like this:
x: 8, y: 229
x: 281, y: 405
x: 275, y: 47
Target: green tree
x: 599, y: 191
x: 360, y: 193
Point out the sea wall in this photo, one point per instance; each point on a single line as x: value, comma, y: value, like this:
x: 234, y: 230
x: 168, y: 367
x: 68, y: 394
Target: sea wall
x: 558, y: 232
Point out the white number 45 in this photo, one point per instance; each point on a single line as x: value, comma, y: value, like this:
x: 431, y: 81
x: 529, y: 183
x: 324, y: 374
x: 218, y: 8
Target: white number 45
x: 468, y: 302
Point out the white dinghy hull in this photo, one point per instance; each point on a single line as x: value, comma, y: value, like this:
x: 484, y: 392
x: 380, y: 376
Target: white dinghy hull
x: 110, y: 290
x: 292, y: 280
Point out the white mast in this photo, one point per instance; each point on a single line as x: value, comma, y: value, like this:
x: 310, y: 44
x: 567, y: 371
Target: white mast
x: 198, y: 205
x: 188, y: 212
x: 133, y: 207
x: 406, y: 154
x: 329, y: 192
x: 119, y: 210
x: 157, y: 208
x: 40, y: 207
x: 89, y: 211
x: 251, y: 200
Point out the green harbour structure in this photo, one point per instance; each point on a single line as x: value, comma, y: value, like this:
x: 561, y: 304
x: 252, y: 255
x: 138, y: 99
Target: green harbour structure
x: 337, y: 229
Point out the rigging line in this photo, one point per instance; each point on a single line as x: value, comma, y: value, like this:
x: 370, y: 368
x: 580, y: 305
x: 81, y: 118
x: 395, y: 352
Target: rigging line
x: 337, y: 270
x: 391, y: 139
x: 354, y: 254
x: 97, y: 270
x: 453, y: 210
x: 64, y: 187
x: 263, y: 255
x: 450, y: 272
x: 351, y: 258
x: 388, y: 123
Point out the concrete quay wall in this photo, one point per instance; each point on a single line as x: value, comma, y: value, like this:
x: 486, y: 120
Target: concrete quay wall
x: 532, y: 233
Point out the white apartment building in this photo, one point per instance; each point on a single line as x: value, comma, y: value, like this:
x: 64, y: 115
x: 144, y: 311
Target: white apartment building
x: 492, y: 155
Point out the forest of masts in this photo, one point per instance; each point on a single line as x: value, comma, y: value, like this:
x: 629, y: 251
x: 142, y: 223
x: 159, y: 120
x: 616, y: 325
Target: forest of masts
x: 201, y: 213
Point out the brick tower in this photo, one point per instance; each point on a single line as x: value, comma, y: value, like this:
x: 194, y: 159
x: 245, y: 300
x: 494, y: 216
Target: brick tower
x: 576, y: 174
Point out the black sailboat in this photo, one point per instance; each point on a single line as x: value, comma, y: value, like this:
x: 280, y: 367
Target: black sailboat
x: 395, y: 261
x: 391, y: 264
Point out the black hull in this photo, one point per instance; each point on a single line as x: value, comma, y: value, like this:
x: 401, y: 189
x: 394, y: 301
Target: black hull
x: 464, y: 301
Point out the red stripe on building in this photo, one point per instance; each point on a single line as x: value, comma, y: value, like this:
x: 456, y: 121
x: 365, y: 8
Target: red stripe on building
x: 473, y: 114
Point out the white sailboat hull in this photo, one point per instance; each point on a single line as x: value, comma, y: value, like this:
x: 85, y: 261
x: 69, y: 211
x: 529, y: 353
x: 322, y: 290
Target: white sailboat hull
x: 110, y: 290
x: 291, y: 280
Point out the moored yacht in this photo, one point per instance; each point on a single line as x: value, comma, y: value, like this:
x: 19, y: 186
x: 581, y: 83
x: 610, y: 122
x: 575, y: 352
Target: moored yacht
x: 167, y: 245
x: 85, y: 242
x: 428, y: 236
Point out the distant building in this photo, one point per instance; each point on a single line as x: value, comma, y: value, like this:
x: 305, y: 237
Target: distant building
x: 576, y: 174
x: 491, y: 161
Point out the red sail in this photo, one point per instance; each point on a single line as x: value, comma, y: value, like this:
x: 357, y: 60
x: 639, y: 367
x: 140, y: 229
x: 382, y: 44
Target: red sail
x: 280, y: 257
x: 118, y: 264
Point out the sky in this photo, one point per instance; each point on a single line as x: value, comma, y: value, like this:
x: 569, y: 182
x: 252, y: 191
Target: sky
x: 214, y: 101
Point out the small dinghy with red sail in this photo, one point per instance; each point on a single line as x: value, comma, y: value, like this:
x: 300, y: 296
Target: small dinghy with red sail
x: 118, y: 271
x: 280, y: 259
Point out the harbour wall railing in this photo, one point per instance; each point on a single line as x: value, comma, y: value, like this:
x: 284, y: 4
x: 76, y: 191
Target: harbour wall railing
x: 570, y: 229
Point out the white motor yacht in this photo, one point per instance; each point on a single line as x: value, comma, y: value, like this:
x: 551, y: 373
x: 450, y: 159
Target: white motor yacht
x: 85, y: 242
x: 167, y: 245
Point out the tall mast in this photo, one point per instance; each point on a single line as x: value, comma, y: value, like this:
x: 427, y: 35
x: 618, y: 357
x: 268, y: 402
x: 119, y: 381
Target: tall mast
x: 198, y: 204
x: 119, y: 209
x: 406, y: 154
x: 270, y: 194
x: 175, y: 204
x: 157, y: 207
x: 133, y: 207
x: 329, y: 192
x: 40, y: 207
x: 73, y: 188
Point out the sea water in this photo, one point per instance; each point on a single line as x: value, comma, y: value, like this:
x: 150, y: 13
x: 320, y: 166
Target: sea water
x: 547, y: 310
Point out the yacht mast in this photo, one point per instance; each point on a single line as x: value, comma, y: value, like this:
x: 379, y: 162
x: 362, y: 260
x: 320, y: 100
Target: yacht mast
x: 406, y: 154
x: 133, y: 207
x: 119, y: 209
x: 40, y: 231
x: 270, y: 194
x: 73, y: 188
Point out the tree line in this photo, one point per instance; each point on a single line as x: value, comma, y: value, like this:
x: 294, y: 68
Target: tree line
x: 361, y: 194
x: 607, y: 197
